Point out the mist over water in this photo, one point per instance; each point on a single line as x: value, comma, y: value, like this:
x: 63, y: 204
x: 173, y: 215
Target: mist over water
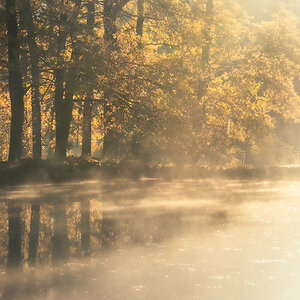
x: 151, y: 239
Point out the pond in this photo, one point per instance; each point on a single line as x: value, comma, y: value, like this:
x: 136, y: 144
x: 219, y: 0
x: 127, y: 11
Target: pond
x: 151, y: 239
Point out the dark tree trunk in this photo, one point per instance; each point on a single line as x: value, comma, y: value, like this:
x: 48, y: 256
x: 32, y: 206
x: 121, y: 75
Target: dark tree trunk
x: 91, y: 16
x: 34, y: 233
x: 61, y: 141
x: 63, y: 118
x: 87, y: 129
x: 109, y: 20
x: 15, y: 83
x: 85, y: 227
x: 136, y: 147
x: 88, y: 104
x: 35, y: 74
x: 111, y: 143
x: 14, y: 236
x: 110, y: 30
x: 64, y: 105
x: 60, y: 236
x: 140, y: 18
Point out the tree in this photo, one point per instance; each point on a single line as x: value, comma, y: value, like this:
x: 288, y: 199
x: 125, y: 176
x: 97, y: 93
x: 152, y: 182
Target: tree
x: 88, y: 103
x: 29, y: 25
x: 111, y: 11
x: 63, y: 99
x: 16, y: 90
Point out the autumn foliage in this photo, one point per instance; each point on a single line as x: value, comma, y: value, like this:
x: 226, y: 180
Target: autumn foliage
x: 186, y: 82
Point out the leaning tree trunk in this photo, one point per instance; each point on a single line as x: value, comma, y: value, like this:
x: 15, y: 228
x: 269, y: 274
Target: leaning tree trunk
x: 15, y: 83
x: 88, y: 104
x: 35, y: 74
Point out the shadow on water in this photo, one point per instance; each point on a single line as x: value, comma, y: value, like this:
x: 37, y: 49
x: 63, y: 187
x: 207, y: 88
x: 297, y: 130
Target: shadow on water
x: 51, y: 236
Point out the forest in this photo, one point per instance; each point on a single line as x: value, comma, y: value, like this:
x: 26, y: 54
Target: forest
x: 171, y: 81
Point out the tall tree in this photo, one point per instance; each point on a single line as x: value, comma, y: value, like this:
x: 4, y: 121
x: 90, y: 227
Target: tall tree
x: 16, y: 90
x: 59, y: 104
x: 88, y: 103
x: 111, y: 10
x: 64, y: 80
x: 27, y: 19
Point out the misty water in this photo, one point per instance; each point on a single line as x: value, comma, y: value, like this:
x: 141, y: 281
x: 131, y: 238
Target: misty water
x: 151, y: 239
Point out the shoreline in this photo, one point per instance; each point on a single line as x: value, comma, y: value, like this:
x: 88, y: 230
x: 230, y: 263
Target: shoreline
x: 49, y: 171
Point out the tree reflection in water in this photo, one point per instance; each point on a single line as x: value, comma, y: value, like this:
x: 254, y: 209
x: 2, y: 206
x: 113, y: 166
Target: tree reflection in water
x: 34, y: 232
x: 14, y: 235
x: 60, y: 234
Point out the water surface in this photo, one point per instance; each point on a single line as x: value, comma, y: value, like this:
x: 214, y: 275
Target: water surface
x: 151, y: 239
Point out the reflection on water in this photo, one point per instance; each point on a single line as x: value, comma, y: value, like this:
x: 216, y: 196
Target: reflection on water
x: 150, y: 239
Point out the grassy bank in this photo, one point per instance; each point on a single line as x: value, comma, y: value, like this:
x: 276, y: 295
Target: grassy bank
x: 29, y: 171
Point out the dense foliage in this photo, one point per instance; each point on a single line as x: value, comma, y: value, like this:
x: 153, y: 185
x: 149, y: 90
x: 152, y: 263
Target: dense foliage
x: 158, y: 80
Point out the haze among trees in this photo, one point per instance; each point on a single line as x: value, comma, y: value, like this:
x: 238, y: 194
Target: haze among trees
x: 196, y: 81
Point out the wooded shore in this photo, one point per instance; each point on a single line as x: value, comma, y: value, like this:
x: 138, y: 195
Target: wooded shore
x: 47, y: 171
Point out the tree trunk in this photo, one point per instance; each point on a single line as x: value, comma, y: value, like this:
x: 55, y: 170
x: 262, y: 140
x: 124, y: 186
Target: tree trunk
x: 136, y: 147
x: 207, y: 34
x: 64, y: 105
x: 110, y: 141
x: 88, y: 104
x: 61, y: 141
x: 140, y: 18
x: 109, y: 21
x: 87, y: 129
x: 15, y: 83
x: 35, y: 74
x: 63, y: 119
x: 203, y: 84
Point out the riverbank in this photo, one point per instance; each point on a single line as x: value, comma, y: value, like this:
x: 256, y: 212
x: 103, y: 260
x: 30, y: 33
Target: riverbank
x: 30, y: 171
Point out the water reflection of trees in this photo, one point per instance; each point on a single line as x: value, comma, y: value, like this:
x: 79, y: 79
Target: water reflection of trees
x: 14, y: 235
x: 46, y: 231
x: 63, y: 229
x: 54, y: 228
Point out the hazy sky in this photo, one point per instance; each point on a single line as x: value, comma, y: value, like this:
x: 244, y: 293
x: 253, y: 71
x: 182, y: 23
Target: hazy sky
x: 262, y: 9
